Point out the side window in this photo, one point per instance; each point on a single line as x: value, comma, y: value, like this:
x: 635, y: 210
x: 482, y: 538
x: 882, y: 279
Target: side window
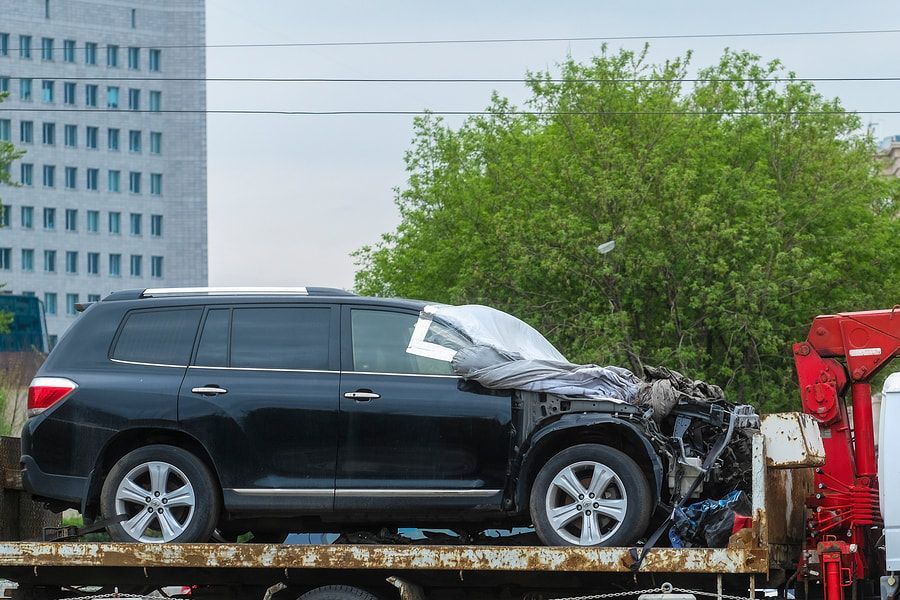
x: 162, y: 337
x: 213, y: 348
x: 280, y: 338
x: 380, y: 339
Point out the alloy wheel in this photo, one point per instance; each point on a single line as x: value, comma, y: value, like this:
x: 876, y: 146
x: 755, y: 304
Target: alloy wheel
x: 586, y: 503
x: 158, y: 501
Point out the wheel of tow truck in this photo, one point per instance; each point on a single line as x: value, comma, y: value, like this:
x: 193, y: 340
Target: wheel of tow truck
x: 338, y: 592
x: 166, y: 494
x: 590, y: 495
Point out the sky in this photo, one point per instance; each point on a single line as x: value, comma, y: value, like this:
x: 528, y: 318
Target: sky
x: 291, y: 197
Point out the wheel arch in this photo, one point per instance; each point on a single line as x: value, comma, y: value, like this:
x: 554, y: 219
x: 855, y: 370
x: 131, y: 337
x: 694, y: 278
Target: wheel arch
x: 131, y: 439
x: 571, y: 430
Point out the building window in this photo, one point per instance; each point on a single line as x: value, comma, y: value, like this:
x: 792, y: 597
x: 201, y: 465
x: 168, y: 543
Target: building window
x: 155, y: 101
x: 136, y: 223
x: 5, y: 130
x: 113, y: 178
x: 49, y: 176
x: 156, y: 184
x: 133, y: 18
x: 112, y: 139
x: 112, y: 56
x: 25, y: 90
x: 134, y: 141
x: 93, y: 221
x: 136, y: 265
x: 134, y: 182
x: 70, y: 135
x: 134, y: 58
x: 26, y: 216
x: 93, y: 298
x: 4, y: 44
x: 26, y: 174
x: 50, y: 303
x: 26, y: 132
x: 91, y: 134
x: 156, y: 225
x: 115, y: 223
x: 115, y: 265
x: 71, y: 219
x: 69, y: 51
x: 5, y: 215
x: 48, y: 134
x: 71, y: 178
x: 69, y: 93
x: 46, y: 48
x: 71, y: 304
x: 50, y: 218
x: 93, y: 263
x: 156, y: 266
x: 112, y: 97
x: 27, y: 259
x: 93, y: 176
x: 90, y: 95
x: 134, y: 99
x: 47, y: 91
x: 46, y: 9
x: 90, y: 53
x: 24, y: 46
x: 71, y: 262
x: 4, y: 84
x: 50, y: 261
x: 6, y: 259
x: 155, y: 60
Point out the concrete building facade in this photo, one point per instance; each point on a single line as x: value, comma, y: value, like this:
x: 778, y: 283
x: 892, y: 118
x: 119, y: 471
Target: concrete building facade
x: 890, y: 149
x: 113, y: 184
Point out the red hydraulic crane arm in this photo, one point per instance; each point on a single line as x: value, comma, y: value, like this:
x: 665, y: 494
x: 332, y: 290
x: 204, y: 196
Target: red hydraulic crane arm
x: 844, y: 351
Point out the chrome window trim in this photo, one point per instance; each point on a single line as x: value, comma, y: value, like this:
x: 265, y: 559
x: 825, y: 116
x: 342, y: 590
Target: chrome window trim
x: 402, y: 374
x: 363, y: 492
x: 265, y: 369
x: 146, y: 364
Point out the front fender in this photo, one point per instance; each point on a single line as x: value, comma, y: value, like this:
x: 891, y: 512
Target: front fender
x: 575, y: 426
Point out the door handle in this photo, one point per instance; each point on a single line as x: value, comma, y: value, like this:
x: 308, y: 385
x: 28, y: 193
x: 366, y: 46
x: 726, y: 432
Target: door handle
x: 362, y: 396
x: 211, y: 390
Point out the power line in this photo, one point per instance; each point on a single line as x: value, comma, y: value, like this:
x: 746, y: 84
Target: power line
x: 477, y: 79
x: 529, y: 40
x: 458, y: 112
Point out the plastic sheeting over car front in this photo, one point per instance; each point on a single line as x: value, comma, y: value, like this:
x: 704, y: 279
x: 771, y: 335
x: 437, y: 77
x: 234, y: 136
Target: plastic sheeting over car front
x: 500, y: 351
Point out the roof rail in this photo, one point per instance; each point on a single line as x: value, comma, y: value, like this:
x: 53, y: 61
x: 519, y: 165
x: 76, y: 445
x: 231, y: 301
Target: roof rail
x: 226, y: 291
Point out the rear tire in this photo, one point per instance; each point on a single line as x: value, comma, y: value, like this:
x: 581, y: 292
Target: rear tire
x: 590, y: 495
x: 338, y: 592
x: 166, y: 493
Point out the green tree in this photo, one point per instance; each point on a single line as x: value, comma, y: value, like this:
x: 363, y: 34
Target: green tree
x: 742, y: 205
x: 8, y: 154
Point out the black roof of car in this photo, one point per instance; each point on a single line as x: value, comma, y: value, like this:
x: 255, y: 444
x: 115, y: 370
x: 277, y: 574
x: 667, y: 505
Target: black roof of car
x: 219, y: 295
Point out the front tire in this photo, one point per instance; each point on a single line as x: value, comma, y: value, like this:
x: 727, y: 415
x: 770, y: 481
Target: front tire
x: 166, y: 494
x: 590, y: 495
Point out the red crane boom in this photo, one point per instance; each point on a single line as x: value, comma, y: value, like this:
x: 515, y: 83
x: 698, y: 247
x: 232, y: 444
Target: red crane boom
x: 844, y: 351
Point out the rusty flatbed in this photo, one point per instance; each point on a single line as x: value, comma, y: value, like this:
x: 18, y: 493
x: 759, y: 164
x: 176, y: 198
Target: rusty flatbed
x: 68, y: 555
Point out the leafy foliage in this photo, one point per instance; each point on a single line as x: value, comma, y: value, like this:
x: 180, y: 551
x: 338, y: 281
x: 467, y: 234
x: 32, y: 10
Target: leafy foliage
x: 740, y: 210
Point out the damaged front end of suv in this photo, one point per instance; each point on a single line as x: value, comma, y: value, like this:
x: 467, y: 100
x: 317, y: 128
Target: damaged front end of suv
x: 687, y: 439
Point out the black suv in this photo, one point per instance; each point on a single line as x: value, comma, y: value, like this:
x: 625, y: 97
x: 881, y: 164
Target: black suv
x: 178, y: 415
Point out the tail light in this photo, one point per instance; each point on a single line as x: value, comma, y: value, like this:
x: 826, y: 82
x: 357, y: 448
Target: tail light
x: 44, y: 392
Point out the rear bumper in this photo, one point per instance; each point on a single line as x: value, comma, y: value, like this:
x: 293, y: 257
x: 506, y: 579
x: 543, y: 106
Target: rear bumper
x: 66, y: 488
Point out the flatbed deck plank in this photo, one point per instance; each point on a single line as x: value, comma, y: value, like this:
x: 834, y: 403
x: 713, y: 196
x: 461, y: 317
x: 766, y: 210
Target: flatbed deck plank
x: 376, y: 557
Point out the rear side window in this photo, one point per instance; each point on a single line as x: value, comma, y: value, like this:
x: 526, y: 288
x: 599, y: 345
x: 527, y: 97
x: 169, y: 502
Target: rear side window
x: 163, y: 337
x: 280, y: 338
x: 213, y: 348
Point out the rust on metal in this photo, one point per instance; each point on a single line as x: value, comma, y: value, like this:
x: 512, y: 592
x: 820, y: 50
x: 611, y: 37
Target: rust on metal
x: 359, y: 557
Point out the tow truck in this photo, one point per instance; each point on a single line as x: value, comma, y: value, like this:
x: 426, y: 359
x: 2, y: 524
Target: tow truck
x: 818, y: 529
